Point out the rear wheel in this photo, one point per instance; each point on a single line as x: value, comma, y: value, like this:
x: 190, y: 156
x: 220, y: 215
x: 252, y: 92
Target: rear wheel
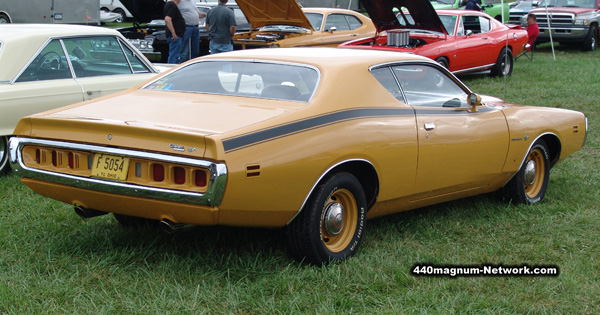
x: 591, y: 40
x: 331, y: 225
x: 530, y: 183
x: 504, y: 63
x: 4, y: 19
x: 122, y: 14
x: 3, y: 155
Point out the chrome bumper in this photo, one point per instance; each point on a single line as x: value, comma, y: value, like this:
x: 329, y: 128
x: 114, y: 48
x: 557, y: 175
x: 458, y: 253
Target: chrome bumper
x: 212, y: 197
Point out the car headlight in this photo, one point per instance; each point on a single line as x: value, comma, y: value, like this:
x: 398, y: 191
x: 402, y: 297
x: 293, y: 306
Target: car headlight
x: 582, y: 22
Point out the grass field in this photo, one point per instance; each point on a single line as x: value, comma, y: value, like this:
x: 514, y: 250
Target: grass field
x: 51, y: 261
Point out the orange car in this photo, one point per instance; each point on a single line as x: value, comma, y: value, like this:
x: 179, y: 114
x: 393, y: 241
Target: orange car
x: 315, y: 140
x: 285, y: 24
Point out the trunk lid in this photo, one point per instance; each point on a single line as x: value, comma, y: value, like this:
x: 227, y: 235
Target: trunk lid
x: 153, y: 120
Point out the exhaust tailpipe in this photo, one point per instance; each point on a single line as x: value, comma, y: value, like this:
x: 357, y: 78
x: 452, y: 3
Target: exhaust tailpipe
x: 170, y: 227
x: 88, y: 213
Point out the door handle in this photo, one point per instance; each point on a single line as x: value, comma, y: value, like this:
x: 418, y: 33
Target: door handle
x: 93, y: 92
x: 429, y: 126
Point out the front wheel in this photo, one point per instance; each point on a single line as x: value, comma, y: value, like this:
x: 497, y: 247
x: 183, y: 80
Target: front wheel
x: 529, y: 185
x: 591, y: 40
x: 504, y: 63
x: 4, y: 155
x: 331, y: 224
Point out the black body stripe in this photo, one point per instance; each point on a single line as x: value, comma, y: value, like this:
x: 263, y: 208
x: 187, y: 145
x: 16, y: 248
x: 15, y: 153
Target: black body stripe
x: 280, y: 131
x: 264, y: 135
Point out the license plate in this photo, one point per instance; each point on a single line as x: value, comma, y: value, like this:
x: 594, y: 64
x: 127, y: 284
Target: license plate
x: 110, y: 166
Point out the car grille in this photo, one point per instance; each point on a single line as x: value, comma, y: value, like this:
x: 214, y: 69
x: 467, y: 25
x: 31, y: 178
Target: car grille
x: 515, y: 18
x: 556, y: 19
x: 141, y: 172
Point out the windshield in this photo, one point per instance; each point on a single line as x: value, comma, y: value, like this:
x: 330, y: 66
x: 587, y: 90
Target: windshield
x: 449, y: 22
x: 289, y: 82
x: 315, y: 19
x: 572, y: 3
x: 444, y: 1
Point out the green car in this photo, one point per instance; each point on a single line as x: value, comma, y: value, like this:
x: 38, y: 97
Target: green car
x: 492, y: 8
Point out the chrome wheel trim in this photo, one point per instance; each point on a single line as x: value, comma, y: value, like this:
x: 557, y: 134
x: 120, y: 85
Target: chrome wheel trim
x: 530, y: 172
x: 333, y: 219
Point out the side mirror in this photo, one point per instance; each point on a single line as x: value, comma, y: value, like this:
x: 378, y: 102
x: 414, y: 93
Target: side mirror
x: 469, y: 33
x: 474, y: 100
x: 332, y: 29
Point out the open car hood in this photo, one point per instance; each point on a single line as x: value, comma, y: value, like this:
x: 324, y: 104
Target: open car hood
x: 145, y: 11
x: 384, y: 16
x: 267, y: 12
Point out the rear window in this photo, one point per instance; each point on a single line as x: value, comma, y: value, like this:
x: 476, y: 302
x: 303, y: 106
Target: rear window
x: 243, y: 78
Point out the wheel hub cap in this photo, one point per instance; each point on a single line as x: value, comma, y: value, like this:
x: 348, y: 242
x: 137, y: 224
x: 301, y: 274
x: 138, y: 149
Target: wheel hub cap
x: 333, y: 220
x: 530, y: 173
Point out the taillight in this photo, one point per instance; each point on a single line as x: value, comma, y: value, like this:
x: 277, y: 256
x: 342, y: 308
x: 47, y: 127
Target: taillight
x: 179, y: 175
x: 200, y: 178
x: 158, y: 172
x: 71, y: 160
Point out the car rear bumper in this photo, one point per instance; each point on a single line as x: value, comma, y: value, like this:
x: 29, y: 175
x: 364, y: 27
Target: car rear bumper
x: 212, y: 197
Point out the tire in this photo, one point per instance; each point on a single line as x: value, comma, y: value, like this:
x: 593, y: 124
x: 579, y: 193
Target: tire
x: 134, y: 222
x: 122, y: 13
x: 4, y: 166
x: 591, y: 40
x: 529, y: 185
x: 4, y: 19
x: 442, y: 61
x: 504, y: 63
x: 331, y: 225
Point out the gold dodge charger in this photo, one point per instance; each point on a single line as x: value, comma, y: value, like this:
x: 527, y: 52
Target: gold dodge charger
x: 315, y: 140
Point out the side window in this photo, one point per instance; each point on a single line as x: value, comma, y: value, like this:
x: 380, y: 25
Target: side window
x: 49, y: 64
x: 338, y: 21
x: 136, y: 64
x: 353, y: 21
x: 485, y: 24
x: 316, y: 19
x: 426, y: 85
x: 385, y: 76
x: 97, y: 56
x: 476, y: 24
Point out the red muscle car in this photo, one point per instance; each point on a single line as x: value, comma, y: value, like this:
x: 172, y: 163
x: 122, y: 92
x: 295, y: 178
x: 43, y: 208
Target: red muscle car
x: 461, y: 40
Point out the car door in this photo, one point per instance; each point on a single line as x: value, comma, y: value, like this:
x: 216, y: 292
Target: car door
x: 473, y: 42
x: 459, y: 150
x: 339, y: 28
x: 104, y: 65
x: 46, y: 82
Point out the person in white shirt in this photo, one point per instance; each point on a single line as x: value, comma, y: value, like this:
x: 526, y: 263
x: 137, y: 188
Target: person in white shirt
x: 191, y: 39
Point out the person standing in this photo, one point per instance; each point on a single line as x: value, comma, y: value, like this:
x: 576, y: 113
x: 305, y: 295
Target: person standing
x: 220, y: 23
x: 190, y: 48
x: 175, y: 30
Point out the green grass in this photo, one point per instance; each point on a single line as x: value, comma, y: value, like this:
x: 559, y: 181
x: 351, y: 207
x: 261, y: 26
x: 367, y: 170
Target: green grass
x: 51, y: 261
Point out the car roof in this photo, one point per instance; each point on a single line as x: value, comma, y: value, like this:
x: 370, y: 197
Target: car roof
x: 321, y: 57
x: 32, y: 31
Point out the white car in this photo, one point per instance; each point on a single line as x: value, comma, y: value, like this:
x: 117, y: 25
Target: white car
x: 49, y: 66
x: 115, y: 6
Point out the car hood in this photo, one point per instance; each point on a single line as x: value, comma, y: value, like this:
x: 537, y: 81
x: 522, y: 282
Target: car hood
x: 383, y: 15
x: 281, y: 12
x: 145, y: 11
